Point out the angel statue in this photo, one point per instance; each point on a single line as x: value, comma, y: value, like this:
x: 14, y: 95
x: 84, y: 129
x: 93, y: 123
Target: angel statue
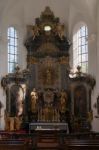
x: 34, y: 97
x: 63, y: 101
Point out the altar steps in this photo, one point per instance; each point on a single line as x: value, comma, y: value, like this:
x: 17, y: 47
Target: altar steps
x: 47, y: 142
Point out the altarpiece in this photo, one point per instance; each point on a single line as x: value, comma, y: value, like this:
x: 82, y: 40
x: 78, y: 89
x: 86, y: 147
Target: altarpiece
x: 48, y: 94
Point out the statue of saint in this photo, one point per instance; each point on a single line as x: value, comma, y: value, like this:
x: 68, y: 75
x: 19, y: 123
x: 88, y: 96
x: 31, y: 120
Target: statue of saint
x: 63, y: 101
x: 9, y: 122
x: 90, y: 116
x: 12, y: 124
x: 48, y: 113
x: 18, y: 121
x: 19, y: 103
x: 34, y: 97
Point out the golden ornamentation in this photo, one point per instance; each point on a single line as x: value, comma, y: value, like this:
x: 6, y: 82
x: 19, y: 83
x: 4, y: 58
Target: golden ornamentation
x: 59, y: 30
x: 48, y: 96
x: 48, y: 47
x: 63, y: 101
x: 32, y: 60
x: 90, y: 116
x: 34, y: 98
x: 33, y: 31
x: 47, y: 12
x: 64, y: 60
x: 18, y: 121
x: 48, y: 113
x: 48, y: 72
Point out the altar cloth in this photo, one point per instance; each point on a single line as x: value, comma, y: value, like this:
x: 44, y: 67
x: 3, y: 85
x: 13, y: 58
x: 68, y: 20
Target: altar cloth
x: 49, y: 126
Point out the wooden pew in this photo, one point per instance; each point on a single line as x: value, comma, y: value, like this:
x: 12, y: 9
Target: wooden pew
x: 13, y: 145
x: 81, y: 144
x: 48, y: 140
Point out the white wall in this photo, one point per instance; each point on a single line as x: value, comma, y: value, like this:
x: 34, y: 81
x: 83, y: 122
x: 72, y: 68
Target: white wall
x: 96, y: 120
x: 20, y: 13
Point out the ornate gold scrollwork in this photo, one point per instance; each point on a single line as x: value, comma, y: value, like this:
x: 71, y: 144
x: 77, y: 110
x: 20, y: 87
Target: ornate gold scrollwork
x: 32, y: 60
x: 33, y: 31
x: 64, y: 60
x: 48, y: 48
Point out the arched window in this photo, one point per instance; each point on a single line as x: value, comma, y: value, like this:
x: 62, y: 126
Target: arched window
x: 12, y: 49
x: 80, y: 48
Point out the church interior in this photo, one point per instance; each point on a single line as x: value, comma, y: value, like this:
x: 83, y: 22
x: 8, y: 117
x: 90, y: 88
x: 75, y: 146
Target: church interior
x: 49, y: 75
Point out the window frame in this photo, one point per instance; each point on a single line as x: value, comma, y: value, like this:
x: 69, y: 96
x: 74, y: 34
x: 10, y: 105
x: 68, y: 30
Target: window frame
x: 12, y: 46
x: 80, y: 48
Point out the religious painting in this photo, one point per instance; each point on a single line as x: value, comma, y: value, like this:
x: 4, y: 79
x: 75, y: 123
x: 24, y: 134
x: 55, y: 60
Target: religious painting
x: 48, y: 73
x: 80, y: 101
x: 16, y: 100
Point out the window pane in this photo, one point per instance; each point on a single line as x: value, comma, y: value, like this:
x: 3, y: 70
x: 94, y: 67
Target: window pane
x: 11, y: 58
x: 12, y: 66
x: 15, y: 42
x: 15, y: 50
x: 12, y: 49
x: 86, y: 48
x: 83, y: 49
x: 11, y: 41
x: 79, y: 58
x: 83, y: 58
x: 16, y: 58
x: 83, y: 31
x: 80, y: 48
x: 11, y: 32
x: 15, y: 34
x: 80, y: 41
x: 83, y: 41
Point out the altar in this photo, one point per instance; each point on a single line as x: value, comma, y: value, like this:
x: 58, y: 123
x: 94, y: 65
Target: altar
x: 44, y: 95
x: 40, y: 126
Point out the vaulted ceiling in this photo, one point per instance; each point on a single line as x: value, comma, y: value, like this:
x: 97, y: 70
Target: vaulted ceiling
x: 27, y: 10
x: 34, y: 7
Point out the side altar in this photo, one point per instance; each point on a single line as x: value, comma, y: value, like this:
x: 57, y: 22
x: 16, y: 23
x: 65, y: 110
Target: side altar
x: 44, y: 92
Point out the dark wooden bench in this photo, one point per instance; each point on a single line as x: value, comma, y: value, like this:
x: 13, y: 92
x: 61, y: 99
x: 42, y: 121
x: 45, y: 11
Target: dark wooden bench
x: 81, y: 144
x: 13, y: 144
x: 48, y: 140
